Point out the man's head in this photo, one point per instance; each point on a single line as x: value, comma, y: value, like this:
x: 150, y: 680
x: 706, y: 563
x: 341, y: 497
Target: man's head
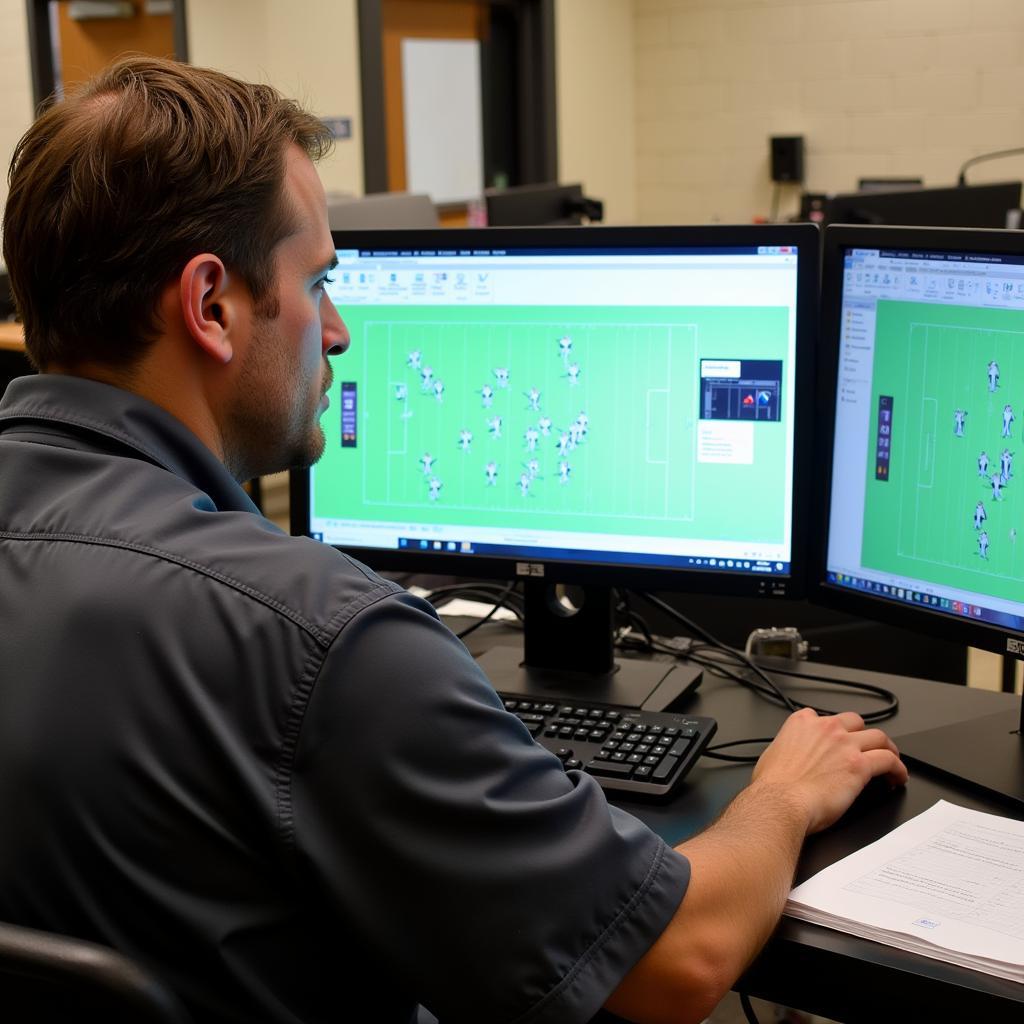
x: 161, y: 185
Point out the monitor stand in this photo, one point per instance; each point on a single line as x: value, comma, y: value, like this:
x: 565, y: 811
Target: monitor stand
x: 987, y: 753
x: 568, y: 655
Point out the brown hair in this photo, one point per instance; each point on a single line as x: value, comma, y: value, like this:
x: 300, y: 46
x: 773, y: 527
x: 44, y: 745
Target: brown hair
x: 115, y: 189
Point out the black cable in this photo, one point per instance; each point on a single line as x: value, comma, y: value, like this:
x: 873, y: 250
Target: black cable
x: 715, y: 642
x: 748, y: 1009
x: 771, y: 690
x: 487, y: 618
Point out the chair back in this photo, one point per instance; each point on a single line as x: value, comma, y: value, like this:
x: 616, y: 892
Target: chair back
x: 46, y: 978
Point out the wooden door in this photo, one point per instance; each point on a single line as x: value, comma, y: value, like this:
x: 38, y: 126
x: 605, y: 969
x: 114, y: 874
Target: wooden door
x: 86, y: 47
x: 420, y: 19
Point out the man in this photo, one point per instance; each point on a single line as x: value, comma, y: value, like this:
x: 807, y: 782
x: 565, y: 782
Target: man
x: 241, y: 757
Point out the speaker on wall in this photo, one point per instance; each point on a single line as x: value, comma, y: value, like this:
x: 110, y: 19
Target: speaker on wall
x: 787, y: 157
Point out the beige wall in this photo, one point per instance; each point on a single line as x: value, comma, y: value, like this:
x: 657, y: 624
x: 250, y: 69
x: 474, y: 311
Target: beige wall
x: 309, y: 49
x: 595, y: 72
x: 15, y: 83
x: 877, y: 87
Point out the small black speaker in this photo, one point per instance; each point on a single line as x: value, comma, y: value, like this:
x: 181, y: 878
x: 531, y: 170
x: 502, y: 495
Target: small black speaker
x: 787, y: 157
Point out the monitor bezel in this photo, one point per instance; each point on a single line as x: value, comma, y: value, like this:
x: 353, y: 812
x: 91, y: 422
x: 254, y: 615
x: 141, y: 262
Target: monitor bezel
x: 700, y: 580
x: 838, y: 239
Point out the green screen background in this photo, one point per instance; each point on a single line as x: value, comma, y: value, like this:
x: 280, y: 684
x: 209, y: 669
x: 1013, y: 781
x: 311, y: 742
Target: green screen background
x: 920, y: 523
x: 635, y: 473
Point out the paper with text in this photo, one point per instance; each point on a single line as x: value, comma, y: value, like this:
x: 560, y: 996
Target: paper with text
x: 947, y: 884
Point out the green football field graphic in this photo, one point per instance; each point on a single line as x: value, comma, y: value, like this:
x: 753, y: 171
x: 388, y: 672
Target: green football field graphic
x: 933, y: 361
x: 631, y: 469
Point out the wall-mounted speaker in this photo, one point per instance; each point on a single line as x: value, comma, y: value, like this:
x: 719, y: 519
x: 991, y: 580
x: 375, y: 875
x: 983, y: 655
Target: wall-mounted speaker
x: 787, y: 157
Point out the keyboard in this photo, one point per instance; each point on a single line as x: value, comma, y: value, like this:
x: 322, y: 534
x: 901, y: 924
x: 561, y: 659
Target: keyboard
x: 645, y: 753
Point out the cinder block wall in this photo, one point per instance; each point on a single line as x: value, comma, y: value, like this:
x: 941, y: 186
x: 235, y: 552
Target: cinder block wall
x: 877, y: 87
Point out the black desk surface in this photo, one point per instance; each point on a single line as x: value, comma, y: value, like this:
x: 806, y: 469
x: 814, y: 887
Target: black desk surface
x: 817, y: 969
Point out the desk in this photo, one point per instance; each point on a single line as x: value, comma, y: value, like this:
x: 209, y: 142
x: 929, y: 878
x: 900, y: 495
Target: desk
x: 12, y: 338
x: 13, y: 361
x: 817, y: 969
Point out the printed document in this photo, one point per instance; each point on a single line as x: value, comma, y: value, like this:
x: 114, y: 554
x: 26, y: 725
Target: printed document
x: 948, y: 884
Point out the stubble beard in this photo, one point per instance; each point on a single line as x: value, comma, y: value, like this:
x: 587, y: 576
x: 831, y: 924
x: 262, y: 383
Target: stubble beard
x: 274, y: 421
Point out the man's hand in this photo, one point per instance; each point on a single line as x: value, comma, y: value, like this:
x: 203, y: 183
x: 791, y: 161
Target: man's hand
x: 742, y: 866
x: 823, y: 762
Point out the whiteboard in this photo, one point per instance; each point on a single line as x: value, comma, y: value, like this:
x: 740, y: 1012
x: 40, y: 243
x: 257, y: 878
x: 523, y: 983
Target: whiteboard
x: 444, y: 141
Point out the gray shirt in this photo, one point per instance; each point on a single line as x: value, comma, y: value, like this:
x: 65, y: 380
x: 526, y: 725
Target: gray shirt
x: 269, y: 774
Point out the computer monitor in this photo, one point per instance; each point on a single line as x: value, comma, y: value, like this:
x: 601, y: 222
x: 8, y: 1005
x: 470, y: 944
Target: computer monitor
x: 607, y: 407
x: 381, y: 210
x: 545, y: 204
x: 959, y: 206
x: 922, y: 359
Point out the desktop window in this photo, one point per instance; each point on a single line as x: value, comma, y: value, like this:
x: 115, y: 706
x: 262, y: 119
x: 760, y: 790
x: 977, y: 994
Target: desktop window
x: 927, y: 498
x: 575, y: 402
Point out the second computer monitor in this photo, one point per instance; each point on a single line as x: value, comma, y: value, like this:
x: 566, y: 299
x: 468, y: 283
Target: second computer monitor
x: 923, y: 376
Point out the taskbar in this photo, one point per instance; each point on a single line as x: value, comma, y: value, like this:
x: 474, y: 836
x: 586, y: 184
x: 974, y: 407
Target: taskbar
x: 752, y: 566
x: 933, y: 602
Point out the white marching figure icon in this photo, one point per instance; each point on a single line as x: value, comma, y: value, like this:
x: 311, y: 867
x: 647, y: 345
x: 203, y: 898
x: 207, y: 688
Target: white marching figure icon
x: 465, y: 439
x: 1008, y: 418
x: 435, y: 486
x: 979, y: 515
x: 983, y: 465
x: 983, y: 544
x: 427, y: 462
x: 958, y: 422
x: 993, y: 375
x: 491, y: 470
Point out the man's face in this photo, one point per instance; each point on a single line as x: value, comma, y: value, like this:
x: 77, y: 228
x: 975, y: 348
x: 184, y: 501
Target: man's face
x: 273, y: 419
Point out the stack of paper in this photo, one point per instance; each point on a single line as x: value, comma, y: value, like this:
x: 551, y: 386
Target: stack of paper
x: 948, y: 884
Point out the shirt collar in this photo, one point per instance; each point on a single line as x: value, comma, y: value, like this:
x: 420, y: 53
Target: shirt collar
x: 83, y: 408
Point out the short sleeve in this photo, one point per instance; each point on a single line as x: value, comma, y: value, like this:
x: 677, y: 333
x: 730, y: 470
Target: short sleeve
x: 489, y: 882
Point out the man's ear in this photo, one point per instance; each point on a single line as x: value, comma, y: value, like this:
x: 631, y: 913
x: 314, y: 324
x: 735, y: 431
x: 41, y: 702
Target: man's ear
x: 209, y: 306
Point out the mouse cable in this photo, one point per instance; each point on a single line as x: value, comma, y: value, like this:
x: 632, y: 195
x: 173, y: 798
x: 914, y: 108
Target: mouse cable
x: 771, y: 690
x: 748, y: 1009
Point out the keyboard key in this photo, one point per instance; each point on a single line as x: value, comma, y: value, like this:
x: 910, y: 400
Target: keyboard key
x: 666, y: 768
x: 610, y: 769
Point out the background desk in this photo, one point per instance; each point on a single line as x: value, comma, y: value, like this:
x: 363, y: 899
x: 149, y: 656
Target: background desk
x: 13, y: 361
x: 812, y: 968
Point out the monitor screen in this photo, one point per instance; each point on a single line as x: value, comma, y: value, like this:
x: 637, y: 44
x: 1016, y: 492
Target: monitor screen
x: 923, y: 371
x: 593, y: 405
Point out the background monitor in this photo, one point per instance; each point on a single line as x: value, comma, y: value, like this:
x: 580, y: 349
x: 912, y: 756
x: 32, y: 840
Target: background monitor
x: 980, y: 206
x: 535, y: 205
x: 381, y: 210
x: 610, y: 407
x: 922, y: 356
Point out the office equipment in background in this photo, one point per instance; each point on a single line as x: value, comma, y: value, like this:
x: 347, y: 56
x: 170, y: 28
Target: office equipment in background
x: 607, y: 407
x: 888, y: 184
x: 979, y: 206
x: 535, y: 205
x: 983, y: 158
x: 381, y: 210
x: 922, y: 353
x: 787, y: 158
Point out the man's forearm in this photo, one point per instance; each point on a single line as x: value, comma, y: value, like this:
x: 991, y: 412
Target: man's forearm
x: 741, y: 872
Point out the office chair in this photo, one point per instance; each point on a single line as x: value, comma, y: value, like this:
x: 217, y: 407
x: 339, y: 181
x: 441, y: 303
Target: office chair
x: 46, y: 978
